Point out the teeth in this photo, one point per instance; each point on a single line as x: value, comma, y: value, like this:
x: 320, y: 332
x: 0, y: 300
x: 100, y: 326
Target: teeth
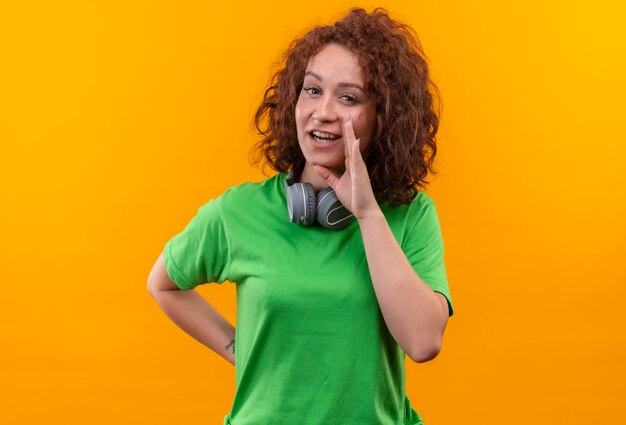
x: 324, y: 137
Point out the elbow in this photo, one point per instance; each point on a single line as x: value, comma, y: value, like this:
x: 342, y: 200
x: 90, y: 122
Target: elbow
x: 425, y: 351
x: 151, y: 289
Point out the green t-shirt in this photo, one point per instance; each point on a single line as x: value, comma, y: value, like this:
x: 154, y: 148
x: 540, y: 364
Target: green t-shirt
x: 312, y: 347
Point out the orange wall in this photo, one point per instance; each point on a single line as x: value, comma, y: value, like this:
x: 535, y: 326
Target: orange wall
x: 119, y: 119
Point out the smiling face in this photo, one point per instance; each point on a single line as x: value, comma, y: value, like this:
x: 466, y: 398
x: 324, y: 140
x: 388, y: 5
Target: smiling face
x: 333, y: 89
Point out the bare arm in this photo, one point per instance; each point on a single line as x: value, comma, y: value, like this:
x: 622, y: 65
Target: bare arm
x: 415, y: 315
x: 190, y: 311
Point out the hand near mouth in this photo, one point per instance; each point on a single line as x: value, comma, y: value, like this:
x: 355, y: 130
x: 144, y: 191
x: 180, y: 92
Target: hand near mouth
x: 353, y: 187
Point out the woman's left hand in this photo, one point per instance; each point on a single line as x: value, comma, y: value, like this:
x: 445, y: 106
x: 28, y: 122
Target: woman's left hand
x: 353, y: 188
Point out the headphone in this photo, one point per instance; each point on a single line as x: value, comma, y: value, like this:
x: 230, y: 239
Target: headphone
x: 305, y: 207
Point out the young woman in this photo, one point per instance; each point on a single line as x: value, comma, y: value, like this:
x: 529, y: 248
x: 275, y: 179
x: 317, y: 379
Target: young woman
x: 338, y: 258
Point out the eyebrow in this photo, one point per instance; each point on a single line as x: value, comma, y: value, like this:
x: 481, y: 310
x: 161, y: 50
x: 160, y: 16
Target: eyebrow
x: 317, y: 76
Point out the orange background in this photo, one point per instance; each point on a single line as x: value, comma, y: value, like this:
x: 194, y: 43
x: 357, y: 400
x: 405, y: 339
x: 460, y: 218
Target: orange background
x: 119, y: 119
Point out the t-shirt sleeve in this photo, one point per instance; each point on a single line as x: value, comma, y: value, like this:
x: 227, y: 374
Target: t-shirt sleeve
x: 423, y: 247
x: 199, y: 254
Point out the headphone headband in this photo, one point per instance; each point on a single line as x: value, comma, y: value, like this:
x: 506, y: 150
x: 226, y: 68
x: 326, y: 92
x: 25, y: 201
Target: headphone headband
x: 291, y: 177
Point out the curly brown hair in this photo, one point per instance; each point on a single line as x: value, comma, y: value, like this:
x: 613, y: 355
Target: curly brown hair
x: 396, y: 75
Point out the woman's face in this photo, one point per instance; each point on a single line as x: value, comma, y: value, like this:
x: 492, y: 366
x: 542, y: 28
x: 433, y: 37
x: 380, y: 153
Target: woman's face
x: 333, y: 89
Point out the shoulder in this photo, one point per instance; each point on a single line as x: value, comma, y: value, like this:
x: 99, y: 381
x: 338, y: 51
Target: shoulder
x: 416, y: 217
x: 422, y: 201
x: 411, y: 212
x: 248, y: 200
x: 248, y: 191
x: 251, y: 188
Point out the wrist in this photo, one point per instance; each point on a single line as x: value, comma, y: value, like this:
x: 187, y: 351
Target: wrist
x: 372, y: 215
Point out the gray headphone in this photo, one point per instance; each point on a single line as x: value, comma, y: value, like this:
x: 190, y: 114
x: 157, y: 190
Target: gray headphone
x: 305, y: 207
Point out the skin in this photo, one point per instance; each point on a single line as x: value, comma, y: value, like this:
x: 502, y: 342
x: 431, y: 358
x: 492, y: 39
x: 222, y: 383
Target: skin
x: 415, y: 315
x: 192, y: 313
x: 332, y: 93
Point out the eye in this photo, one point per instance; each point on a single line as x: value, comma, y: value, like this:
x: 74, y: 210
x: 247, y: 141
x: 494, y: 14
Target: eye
x: 311, y: 90
x: 349, y: 98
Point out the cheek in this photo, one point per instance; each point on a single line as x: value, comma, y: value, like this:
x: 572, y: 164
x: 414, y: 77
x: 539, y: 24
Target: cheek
x: 298, y: 117
x: 364, y: 123
x: 300, y: 113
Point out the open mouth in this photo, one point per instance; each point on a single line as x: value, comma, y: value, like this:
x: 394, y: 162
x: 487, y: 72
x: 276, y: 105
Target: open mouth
x: 323, y: 137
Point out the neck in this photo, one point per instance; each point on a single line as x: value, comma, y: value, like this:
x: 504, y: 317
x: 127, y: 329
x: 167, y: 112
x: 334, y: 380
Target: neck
x: 309, y: 175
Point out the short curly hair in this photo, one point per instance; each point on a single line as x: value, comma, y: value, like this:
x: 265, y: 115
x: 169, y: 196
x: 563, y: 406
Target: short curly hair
x: 396, y: 75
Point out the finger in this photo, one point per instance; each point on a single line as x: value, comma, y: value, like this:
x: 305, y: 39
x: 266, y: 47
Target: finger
x: 326, y: 174
x: 348, y: 129
x: 358, y: 155
x: 348, y: 135
x: 354, y: 158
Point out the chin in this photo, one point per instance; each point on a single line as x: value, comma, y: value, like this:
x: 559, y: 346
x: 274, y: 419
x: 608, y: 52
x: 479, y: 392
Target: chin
x: 330, y: 163
x: 330, y: 160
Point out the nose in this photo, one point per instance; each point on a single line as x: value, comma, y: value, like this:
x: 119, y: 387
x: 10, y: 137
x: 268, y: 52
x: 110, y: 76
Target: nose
x: 325, y: 110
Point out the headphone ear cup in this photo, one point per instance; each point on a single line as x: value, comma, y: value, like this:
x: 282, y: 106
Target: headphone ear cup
x: 301, y: 203
x: 330, y: 211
